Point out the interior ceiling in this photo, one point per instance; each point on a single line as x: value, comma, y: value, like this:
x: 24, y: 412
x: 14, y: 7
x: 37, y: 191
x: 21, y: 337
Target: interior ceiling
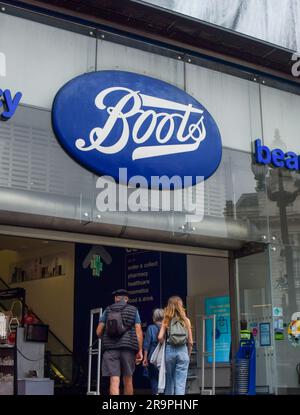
x: 154, y: 22
x: 13, y: 243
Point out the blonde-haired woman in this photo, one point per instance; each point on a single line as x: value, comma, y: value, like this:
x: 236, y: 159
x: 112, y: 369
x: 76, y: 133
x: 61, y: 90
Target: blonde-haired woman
x: 176, y: 330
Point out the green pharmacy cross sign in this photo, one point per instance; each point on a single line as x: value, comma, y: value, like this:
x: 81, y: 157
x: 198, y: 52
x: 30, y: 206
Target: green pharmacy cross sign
x: 96, y: 265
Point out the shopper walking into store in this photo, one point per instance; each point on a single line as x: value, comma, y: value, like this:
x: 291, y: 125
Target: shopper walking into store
x: 122, y: 342
x: 150, y: 343
x: 176, y: 330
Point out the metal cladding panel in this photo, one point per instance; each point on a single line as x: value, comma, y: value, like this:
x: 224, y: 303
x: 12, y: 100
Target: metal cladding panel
x: 233, y: 102
x: 114, y: 56
x: 41, y: 58
x: 32, y: 159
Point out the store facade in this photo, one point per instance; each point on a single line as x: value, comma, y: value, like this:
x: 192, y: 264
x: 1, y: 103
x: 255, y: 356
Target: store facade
x: 251, y: 204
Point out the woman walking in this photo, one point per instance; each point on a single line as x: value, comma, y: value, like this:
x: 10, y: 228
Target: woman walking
x: 176, y: 330
x: 150, y: 342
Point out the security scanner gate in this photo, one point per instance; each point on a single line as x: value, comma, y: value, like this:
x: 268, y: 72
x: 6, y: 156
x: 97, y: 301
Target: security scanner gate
x: 208, y: 353
x: 94, y: 352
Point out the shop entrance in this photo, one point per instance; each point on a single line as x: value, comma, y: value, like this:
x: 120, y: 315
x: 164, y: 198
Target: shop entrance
x: 63, y: 280
x: 254, y: 306
x: 207, y: 294
x: 151, y: 277
x: 242, y: 282
x: 79, y: 276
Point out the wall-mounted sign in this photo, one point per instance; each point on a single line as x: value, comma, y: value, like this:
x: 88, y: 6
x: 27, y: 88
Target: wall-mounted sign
x: 96, y: 258
x: 264, y: 334
x: 278, y: 328
x: 254, y: 328
x: 277, y: 312
x: 275, y: 157
x: 96, y: 265
x: 111, y: 119
x: 8, y: 103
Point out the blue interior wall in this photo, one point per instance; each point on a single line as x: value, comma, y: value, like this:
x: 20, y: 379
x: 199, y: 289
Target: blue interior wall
x: 93, y: 292
x: 174, y: 276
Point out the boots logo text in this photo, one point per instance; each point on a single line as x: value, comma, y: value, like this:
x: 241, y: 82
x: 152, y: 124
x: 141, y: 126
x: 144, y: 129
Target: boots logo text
x: 113, y: 119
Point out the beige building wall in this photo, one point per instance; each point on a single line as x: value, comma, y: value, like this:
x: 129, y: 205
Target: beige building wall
x: 52, y: 299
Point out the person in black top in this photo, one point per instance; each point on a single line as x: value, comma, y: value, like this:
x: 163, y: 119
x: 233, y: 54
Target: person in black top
x: 122, y: 350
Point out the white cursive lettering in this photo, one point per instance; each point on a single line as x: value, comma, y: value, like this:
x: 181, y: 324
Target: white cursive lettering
x: 147, y: 123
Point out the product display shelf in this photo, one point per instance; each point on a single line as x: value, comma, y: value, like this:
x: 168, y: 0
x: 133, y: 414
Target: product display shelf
x: 8, y: 352
x: 8, y: 368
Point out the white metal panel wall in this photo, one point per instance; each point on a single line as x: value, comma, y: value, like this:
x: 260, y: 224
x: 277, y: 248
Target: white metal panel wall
x: 120, y: 57
x: 32, y: 159
x: 40, y: 59
x: 280, y: 114
x: 233, y: 103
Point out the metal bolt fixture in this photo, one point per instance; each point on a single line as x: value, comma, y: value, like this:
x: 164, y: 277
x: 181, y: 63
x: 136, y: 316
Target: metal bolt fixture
x: 86, y: 214
x: 99, y: 216
x: 274, y: 248
x: 91, y: 33
x: 179, y: 57
x: 102, y: 36
x: 263, y: 82
x: 273, y: 238
x: 254, y: 79
x: 264, y: 237
x: 189, y: 60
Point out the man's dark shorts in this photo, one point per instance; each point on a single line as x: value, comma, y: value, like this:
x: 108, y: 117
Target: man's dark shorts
x: 118, y: 363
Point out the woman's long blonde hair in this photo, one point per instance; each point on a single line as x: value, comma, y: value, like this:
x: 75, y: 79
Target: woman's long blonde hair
x: 175, y: 309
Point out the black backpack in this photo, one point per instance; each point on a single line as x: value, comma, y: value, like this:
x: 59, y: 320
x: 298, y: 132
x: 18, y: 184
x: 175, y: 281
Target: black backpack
x: 115, y: 326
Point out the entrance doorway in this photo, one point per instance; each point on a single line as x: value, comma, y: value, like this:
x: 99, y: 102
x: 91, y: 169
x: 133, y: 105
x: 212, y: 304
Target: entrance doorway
x: 242, y: 280
x: 254, y: 306
x: 81, y: 276
x: 207, y: 294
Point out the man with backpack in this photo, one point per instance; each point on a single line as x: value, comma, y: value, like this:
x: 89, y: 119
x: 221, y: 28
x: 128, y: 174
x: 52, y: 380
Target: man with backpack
x: 122, y: 342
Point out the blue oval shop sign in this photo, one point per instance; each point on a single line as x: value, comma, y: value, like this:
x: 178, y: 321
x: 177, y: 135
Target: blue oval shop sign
x: 111, y: 119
